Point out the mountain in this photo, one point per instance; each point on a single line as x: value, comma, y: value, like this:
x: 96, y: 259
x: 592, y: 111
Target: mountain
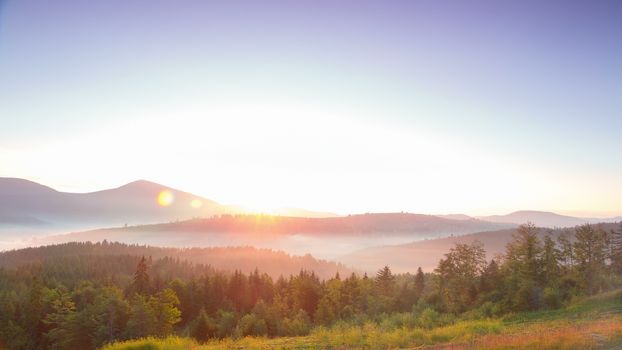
x: 322, y: 237
x: 544, y: 219
x: 28, y: 204
x: 456, y: 217
x: 358, y: 225
x: 299, y: 212
x: 427, y: 253
x: 245, y: 259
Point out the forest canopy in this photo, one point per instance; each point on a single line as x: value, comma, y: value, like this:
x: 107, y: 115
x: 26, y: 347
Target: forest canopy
x: 85, y: 295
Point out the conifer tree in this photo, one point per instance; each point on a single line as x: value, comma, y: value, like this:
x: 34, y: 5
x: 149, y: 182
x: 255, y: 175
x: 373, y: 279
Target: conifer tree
x: 419, y: 282
x: 141, y: 278
x: 522, y: 268
x: 385, y: 281
x: 615, y: 255
x: 142, y: 320
x: 550, y: 263
x: 590, y: 253
x: 203, y: 327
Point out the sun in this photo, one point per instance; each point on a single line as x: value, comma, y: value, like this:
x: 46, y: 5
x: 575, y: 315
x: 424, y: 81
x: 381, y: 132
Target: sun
x: 165, y: 198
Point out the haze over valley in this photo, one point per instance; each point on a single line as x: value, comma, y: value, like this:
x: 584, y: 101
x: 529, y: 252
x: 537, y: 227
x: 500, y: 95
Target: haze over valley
x: 143, y: 212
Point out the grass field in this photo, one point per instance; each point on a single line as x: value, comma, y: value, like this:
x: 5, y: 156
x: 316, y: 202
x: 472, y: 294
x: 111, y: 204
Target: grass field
x: 591, y: 323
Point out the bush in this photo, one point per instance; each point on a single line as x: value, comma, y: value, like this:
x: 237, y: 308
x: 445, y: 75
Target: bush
x: 552, y: 298
x: 300, y: 324
x: 251, y: 325
x: 203, y: 327
x: 226, y: 324
x: 398, y: 320
x: 429, y: 318
x: 420, y: 306
x: 486, y: 310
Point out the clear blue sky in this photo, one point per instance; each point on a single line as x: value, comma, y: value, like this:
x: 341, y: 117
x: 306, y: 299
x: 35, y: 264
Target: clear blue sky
x: 349, y: 106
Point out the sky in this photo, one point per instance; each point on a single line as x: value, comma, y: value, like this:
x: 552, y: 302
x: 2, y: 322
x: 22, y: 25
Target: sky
x: 351, y: 106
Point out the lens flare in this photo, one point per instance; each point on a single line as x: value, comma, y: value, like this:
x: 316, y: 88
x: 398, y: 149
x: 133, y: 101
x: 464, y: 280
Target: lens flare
x: 196, y: 203
x: 165, y: 198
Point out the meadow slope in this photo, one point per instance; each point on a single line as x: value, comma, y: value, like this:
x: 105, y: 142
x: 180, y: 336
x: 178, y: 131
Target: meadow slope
x: 589, y: 323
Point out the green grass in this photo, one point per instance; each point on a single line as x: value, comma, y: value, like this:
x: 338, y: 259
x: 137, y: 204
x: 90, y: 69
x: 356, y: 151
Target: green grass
x: 585, y: 308
x: 170, y: 343
x: 590, y: 323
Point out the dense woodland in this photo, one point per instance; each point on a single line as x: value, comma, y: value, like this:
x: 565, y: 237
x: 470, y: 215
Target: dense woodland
x: 226, y: 259
x: 83, y: 301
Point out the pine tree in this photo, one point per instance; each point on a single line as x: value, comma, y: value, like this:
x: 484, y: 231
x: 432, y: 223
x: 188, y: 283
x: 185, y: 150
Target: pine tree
x: 111, y: 313
x: 238, y: 292
x: 141, y: 278
x: 203, y: 327
x: 325, y: 313
x: 550, y: 263
x: 305, y: 292
x: 142, y: 319
x: 419, y: 282
x: 615, y: 255
x: 35, y: 312
x: 590, y: 254
x: 385, y: 281
x: 566, y: 252
x: 523, y: 268
x: 458, y: 275
x: 491, y: 278
x: 165, y: 310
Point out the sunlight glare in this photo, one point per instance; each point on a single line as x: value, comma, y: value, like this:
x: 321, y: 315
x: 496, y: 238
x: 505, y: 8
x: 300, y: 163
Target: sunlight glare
x: 196, y: 203
x: 165, y: 198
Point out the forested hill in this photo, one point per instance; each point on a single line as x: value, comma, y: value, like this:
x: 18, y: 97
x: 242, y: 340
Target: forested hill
x: 373, y: 223
x: 246, y: 259
x: 426, y: 253
x: 364, y: 225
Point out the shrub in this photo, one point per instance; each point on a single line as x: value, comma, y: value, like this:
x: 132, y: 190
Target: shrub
x: 300, y: 324
x: 226, y: 324
x: 429, y: 318
x: 251, y: 325
x: 203, y: 327
x: 552, y: 298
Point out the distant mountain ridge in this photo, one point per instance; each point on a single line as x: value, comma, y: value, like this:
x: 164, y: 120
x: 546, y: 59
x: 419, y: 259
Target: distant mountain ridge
x: 545, y: 219
x: 360, y: 224
x: 322, y: 237
x: 538, y: 218
x: 27, y: 204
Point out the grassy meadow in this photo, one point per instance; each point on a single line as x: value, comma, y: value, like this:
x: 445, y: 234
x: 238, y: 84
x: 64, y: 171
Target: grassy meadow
x: 588, y: 323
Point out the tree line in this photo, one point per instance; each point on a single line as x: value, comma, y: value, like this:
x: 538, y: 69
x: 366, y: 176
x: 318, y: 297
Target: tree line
x: 533, y: 273
x: 86, y: 301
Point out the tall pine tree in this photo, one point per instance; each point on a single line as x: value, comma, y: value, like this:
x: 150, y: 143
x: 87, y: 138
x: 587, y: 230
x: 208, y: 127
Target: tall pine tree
x: 140, y: 284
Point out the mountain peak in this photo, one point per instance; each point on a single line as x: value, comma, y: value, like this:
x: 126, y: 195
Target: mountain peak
x: 538, y: 218
x: 534, y: 212
x: 17, y: 186
x: 142, y: 183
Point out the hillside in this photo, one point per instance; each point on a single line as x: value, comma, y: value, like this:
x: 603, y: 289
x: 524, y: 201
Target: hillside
x: 28, y: 204
x: 92, y: 295
x: 589, y: 323
x: 545, y: 219
x: 321, y: 237
x: 274, y: 263
x: 407, y: 257
x: 351, y: 225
